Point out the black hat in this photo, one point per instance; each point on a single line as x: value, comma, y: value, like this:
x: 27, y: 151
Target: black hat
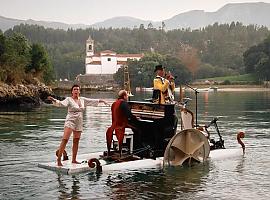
x: 158, y: 67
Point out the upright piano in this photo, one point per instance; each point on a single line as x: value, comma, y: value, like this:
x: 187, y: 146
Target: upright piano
x: 156, y: 126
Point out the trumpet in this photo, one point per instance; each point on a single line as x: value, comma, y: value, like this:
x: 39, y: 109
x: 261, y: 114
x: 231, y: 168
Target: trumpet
x: 169, y: 76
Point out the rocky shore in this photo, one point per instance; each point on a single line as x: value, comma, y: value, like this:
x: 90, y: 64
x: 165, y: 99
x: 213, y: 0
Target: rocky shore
x: 23, y: 95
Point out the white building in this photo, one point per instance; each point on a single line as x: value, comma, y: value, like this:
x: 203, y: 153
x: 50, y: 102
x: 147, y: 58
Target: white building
x: 105, y: 62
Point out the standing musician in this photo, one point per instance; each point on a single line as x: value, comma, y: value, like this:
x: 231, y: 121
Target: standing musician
x: 162, y: 85
x: 170, y: 94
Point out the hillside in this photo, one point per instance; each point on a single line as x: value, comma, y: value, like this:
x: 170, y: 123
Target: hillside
x: 6, y: 23
x: 246, y: 13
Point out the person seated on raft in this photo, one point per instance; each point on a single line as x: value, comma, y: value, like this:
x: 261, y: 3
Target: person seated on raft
x: 121, y: 118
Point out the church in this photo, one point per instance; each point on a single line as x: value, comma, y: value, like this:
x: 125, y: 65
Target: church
x: 105, y: 62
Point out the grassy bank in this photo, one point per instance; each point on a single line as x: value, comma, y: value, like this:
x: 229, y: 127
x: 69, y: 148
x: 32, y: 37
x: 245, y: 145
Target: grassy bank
x: 245, y: 79
x: 239, y: 82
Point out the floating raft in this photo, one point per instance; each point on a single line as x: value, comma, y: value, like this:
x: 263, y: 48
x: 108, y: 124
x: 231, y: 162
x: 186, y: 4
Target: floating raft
x: 221, y: 154
x: 70, y: 168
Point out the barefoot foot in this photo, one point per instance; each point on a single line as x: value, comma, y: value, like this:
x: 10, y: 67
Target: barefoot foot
x: 76, y: 162
x: 59, y: 164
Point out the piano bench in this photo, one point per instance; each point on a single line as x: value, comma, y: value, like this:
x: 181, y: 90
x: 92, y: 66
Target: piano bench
x: 128, y: 136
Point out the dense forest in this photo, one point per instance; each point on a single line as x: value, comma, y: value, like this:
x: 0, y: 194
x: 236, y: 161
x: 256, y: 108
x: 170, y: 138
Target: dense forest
x: 257, y: 60
x: 22, y: 62
x: 216, y: 50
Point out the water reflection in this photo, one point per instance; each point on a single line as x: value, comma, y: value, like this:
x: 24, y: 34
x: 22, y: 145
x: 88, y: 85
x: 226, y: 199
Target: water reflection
x: 171, y: 183
x: 68, y: 193
x: 187, y: 179
x: 206, y: 102
x: 28, y: 137
x: 241, y: 165
x: 94, y: 176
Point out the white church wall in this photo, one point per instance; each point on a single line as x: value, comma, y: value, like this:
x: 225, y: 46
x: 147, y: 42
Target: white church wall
x: 109, y: 64
x: 93, y: 69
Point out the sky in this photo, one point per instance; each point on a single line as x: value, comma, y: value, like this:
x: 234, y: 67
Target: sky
x: 92, y: 11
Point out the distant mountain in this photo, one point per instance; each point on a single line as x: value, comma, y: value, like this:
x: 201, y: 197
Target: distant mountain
x: 6, y: 23
x: 247, y: 13
x: 121, y: 22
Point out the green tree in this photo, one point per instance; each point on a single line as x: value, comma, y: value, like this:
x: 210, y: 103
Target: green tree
x: 142, y: 72
x: 14, y: 57
x: 257, y: 60
x: 251, y: 58
x: 2, y: 46
x: 163, y: 25
x: 150, y: 26
x: 220, y: 45
x: 40, y: 65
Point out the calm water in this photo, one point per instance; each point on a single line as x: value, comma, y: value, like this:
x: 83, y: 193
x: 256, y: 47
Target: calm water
x: 30, y: 137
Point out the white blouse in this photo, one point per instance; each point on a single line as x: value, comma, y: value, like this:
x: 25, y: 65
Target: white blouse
x: 73, y: 106
x: 74, y: 118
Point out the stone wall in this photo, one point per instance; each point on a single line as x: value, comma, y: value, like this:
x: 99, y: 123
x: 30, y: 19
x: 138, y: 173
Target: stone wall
x: 96, y: 79
x: 89, y: 82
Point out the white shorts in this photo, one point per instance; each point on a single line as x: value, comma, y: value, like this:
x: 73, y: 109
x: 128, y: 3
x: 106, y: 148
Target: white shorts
x: 74, y: 122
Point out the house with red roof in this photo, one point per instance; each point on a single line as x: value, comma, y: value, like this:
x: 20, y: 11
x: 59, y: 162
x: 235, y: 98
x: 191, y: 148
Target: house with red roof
x: 105, y: 62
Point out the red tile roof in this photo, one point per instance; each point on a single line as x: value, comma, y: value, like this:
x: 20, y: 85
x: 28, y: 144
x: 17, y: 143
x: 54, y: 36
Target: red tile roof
x: 113, y: 54
x: 121, y: 62
x: 108, y: 51
x: 130, y: 55
x: 94, y: 63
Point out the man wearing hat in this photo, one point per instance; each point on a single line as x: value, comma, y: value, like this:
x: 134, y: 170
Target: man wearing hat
x: 161, y: 85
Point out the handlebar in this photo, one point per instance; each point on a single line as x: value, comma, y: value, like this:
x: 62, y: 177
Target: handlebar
x: 212, y: 122
x: 186, y: 100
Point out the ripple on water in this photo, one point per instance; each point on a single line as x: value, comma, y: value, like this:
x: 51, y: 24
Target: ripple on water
x: 31, y: 137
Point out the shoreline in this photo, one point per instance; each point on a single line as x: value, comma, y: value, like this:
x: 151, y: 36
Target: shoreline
x: 235, y: 88
x: 218, y: 88
x: 244, y: 89
x: 32, y: 95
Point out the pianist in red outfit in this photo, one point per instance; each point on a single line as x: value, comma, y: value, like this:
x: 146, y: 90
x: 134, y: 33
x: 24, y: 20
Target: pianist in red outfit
x: 121, y: 118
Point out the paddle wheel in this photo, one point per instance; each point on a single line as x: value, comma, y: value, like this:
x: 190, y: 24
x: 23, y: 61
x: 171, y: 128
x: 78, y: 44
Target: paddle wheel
x: 186, y: 147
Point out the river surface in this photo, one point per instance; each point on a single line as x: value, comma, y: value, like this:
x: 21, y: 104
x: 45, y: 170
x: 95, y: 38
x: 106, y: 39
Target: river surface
x: 29, y: 137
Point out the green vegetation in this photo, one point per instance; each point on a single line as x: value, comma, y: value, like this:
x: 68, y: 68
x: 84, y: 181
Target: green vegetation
x: 142, y: 72
x: 239, y: 79
x: 20, y: 62
x: 257, y: 60
x: 244, y: 77
x: 215, y: 50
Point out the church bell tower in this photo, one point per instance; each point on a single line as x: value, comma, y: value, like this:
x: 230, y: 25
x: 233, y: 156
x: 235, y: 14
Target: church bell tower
x: 89, y: 51
x: 89, y: 47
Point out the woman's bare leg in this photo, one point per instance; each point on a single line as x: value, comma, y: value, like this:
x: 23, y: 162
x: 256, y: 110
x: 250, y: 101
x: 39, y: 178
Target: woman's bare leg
x: 75, y: 146
x: 67, y: 133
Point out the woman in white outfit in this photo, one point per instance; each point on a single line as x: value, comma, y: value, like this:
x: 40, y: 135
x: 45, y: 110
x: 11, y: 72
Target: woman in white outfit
x: 74, y: 119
